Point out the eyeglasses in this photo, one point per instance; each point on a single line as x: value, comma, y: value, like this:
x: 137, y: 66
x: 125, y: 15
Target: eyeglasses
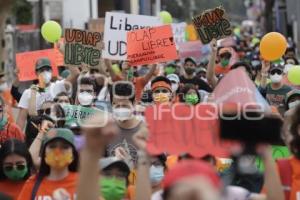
x: 161, y: 91
x: 46, y: 111
x: 276, y: 71
x: 17, y: 166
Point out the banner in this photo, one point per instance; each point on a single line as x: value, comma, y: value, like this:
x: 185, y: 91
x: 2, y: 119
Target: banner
x: 26, y: 63
x: 193, y: 49
x: 212, y: 24
x: 151, y: 45
x: 181, y: 129
x: 179, y: 32
x: 82, y: 48
x: 76, y: 113
x: 115, y: 32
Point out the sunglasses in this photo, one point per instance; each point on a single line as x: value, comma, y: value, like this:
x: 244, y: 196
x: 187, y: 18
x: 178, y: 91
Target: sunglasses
x: 276, y: 71
x: 46, y: 111
x: 225, y: 56
x: 11, y: 167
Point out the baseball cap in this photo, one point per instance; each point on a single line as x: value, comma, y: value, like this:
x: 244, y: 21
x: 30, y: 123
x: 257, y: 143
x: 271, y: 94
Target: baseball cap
x: 191, y: 168
x: 114, y: 161
x: 191, y: 59
x: 276, y: 67
x: 291, y: 94
x: 42, y: 62
x: 200, y: 69
x: 59, y: 133
x: 173, y: 77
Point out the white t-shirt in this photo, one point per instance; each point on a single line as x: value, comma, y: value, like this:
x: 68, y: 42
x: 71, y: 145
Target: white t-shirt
x: 50, y: 93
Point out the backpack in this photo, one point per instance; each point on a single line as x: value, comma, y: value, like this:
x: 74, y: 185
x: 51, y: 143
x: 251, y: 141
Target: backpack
x: 285, y: 171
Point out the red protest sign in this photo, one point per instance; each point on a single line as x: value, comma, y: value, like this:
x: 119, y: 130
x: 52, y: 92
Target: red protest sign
x: 26, y: 63
x: 181, y: 129
x: 151, y: 45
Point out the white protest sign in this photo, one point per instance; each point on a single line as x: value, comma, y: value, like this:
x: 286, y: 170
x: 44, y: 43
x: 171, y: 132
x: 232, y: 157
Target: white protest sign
x: 179, y: 32
x: 115, y: 32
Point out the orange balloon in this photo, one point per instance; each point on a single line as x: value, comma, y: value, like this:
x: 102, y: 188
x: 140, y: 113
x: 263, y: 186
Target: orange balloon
x: 272, y: 46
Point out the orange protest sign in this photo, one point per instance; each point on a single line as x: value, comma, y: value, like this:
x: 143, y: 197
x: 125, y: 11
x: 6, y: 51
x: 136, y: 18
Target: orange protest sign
x: 26, y: 63
x: 181, y: 129
x: 151, y: 45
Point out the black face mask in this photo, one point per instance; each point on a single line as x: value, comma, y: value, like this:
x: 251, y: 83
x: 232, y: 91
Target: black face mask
x: 190, y: 70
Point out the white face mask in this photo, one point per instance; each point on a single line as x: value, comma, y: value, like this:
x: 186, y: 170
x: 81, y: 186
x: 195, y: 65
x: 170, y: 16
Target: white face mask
x: 276, y: 78
x: 3, y: 87
x: 294, y: 104
x: 47, y: 76
x: 174, y: 87
x: 287, y: 67
x: 122, y: 114
x: 85, y: 98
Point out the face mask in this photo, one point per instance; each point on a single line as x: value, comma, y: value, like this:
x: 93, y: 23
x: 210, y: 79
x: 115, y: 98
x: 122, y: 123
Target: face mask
x: 15, y: 174
x: 47, y: 76
x: 58, y: 159
x: 3, y: 123
x: 287, y: 67
x: 85, y: 98
x: 276, y: 78
x: 224, y: 62
x: 122, y: 114
x: 156, y: 174
x: 79, y: 141
x: 3, y: 87
x: 112, y: 188
x: 190, y: 70
x: 161, y: 98
x: 191, y: 99
x: 294, y: 104
x: 170, y: 70
x: 174, y: 87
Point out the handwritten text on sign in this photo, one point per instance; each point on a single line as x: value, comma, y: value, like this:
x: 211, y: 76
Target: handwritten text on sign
x: 115, y: 32
x: 212, y: 24
x: 147, y: 46
x: 82, y: 47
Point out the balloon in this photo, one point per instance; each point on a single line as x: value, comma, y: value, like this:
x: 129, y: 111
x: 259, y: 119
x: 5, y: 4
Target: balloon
x: 273, y: 46
x: 166, y: 17
x: 294, y: 75
x: 51, y: 31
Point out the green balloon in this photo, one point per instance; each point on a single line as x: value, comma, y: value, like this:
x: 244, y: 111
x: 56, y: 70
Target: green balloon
x: 51, y: 31
x: 166, y: 17
x: 294, y: 75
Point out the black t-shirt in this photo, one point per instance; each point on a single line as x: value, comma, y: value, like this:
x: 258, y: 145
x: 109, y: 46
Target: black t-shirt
x: 202, y: 85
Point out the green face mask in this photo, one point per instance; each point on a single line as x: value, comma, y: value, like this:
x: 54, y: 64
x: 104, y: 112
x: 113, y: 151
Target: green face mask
x: 3, y: 122
x: 112, y: 188
x: 16, y: 174
x: 130, y: 74
x: 224, y: 62
x: 170, y: 70
x: 191, y: 99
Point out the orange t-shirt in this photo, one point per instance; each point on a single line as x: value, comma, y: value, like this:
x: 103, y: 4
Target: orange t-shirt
x: 221, y: 70
x: 47, y: 187
x: 11, y: 188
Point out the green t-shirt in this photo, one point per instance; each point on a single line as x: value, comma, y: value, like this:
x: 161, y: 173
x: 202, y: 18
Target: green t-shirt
x: 277, y: 97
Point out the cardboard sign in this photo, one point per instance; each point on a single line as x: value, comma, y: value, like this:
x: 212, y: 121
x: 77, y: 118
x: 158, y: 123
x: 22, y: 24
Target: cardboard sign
x: 115, y: 34
x: 77, y: 114
x: 184, y: 129
x: 26, y: 63
x: 151, y: 45
x: 179, y: 32
x: 193, y: 49
x: 82, y: 48
x: 212, y: 24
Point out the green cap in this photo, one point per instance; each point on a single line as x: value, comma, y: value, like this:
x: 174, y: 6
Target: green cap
x: 42, y: 62
x: 59, y: 133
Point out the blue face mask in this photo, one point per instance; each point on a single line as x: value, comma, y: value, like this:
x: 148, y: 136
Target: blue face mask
x: 156, y: 174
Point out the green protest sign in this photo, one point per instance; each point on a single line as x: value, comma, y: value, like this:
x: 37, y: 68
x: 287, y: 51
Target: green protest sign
x: 212, y: 24
x: 77, y: 113
x: 82, y: 48
x: 278, y: 153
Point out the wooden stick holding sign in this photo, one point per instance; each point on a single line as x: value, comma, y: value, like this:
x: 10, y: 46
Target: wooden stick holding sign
x: 212, y: 24
x: 151, y: 45
x: 82, y: 48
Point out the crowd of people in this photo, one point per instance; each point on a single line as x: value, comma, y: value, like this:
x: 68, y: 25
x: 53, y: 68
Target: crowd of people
x: 44, y: 156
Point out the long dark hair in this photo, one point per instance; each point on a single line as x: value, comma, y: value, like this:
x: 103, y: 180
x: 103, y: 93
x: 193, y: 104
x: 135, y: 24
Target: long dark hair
x: 14, y: 146
x: 186, y: 88
x: 295, y: 123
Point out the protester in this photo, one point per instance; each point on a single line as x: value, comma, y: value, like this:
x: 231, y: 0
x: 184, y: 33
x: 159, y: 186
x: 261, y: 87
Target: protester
x: 161, y: 90
x: 175, y: 81
x: 16, y: 167
x: 63, y: 99
x: 86, y: 92
x: 190, y: 95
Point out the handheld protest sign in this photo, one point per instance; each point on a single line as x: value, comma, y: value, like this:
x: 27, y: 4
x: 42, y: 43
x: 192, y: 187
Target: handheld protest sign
x: 212, y: 24
x: 82, y: 48
x: 151, y: 45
